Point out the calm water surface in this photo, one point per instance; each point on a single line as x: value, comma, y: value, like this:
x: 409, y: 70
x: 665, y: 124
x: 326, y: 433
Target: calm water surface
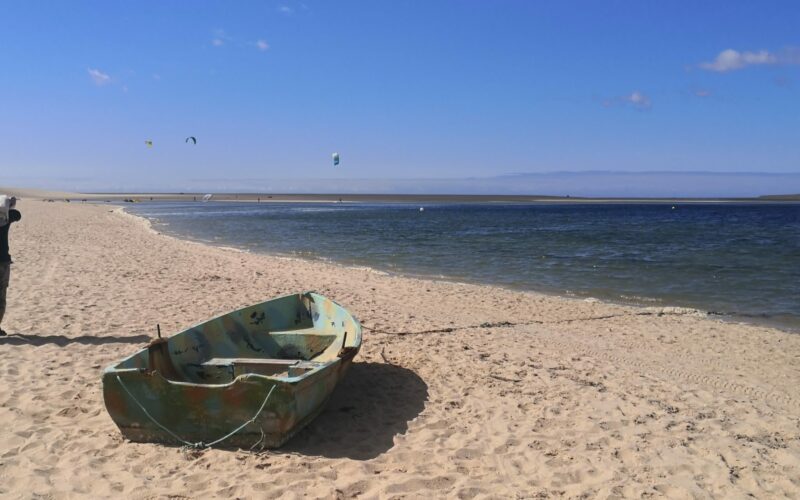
x: 741, y: 259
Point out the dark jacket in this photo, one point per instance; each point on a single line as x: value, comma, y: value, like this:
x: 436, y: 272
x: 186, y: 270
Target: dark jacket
x: 13, y: 216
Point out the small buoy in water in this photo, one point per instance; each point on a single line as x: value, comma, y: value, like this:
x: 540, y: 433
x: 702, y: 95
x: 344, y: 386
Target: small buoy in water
x: 421, y: 209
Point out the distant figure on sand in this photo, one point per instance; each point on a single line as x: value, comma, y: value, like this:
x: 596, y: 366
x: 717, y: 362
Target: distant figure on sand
x: 7, y: 216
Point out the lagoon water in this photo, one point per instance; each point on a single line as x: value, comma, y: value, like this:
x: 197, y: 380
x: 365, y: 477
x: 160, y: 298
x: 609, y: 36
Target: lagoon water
x: 736, y: 259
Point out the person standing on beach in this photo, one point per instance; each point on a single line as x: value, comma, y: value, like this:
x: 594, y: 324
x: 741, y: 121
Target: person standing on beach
x: 5, y: 259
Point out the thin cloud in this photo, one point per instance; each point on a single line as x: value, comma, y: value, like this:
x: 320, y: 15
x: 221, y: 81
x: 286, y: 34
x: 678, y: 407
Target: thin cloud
x: 782, y: 81
x: 639, y: 100
x: 98, y: 77
x: 219, y: 38
x: 702, y: 93
x: 635, y: 99
x: 285, y: 9
x: 791, y: 55
x: 730, y: 60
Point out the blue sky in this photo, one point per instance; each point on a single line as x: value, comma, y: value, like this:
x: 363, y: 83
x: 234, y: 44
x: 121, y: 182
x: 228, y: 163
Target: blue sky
x: 401, y: 89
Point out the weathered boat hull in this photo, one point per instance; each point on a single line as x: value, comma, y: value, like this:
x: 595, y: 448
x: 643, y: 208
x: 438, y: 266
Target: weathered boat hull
x: 253, y: 377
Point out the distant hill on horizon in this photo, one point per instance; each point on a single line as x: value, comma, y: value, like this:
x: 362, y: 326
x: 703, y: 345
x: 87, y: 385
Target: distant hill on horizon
x: 586, y: 184
x: 782, y: 197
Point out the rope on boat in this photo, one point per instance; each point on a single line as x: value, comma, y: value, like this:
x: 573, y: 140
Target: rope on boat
x: 209, y: 445
x: 199, y: 445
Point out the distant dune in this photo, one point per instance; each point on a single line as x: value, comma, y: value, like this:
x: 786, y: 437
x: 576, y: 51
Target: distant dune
x: 782, y: 197
x: 36, y: 193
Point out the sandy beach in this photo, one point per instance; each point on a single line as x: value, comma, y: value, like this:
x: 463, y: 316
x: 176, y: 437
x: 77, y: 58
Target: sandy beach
x: 459, y: 391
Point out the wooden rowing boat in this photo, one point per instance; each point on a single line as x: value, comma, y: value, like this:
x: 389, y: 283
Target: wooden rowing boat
x: 254, y: 376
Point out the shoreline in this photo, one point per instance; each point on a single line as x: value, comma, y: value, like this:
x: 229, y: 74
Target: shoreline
x: 459, y: 390
x: 642, y: 303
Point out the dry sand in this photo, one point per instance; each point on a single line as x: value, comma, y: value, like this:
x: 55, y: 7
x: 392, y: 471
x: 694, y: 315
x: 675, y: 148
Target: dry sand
x: 459, y: 391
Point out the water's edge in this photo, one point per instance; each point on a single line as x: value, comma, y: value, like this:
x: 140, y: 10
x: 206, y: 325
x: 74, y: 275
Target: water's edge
x: 153, y: 224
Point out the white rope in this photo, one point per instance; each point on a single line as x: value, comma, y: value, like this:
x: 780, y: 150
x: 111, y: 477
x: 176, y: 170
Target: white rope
x: 209, y: 445
x: 200, y: 444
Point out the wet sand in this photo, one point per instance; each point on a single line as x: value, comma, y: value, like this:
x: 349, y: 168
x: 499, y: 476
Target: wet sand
x: 460, y: 390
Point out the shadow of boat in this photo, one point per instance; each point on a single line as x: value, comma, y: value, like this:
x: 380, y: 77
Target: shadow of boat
x: 373, y: 404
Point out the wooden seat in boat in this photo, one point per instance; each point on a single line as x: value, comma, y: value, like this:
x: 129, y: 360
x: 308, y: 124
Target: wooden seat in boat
x: 261, y: 366
x: 250, y: 361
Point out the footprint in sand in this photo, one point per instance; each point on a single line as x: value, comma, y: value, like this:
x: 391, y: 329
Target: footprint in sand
x: 72, y: 412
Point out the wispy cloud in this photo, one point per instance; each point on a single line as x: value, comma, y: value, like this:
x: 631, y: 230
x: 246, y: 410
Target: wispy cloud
x: 730, y: 60
x: 782, y: 81
x: 635, y: 99
x: 791, y: 55
x: 639, y: 100
x: 219, y: 38
x: 702, y: 93
x: 98, y: 77
x: 285, y: 9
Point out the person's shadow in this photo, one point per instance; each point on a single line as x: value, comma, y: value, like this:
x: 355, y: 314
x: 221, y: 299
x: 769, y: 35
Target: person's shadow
x: 61, y: 340
x: 374, y: 403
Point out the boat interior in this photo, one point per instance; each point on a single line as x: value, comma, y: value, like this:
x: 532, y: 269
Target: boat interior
x: 287, y: 337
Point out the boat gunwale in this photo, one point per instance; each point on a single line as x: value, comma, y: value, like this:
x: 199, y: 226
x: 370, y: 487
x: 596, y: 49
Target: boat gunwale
x: 243, y: 378
x: 115, y: 371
